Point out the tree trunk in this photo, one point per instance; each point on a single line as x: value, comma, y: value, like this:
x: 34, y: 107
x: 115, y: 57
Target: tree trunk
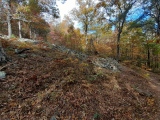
x: 30, y: 31
x: 9, y: 19
x: 86, y: 31
x: 90, y: 47
x: 9, y: 26
x: 35, y: 36
x: 3, y: 57
x: 19, y: 26
x: 118, y: 46
x: 120, y: 28
x: 148, y: 57
x: 158, y: 25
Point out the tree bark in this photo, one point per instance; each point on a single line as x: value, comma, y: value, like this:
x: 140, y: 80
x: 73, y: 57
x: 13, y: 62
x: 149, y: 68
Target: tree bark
x: 20, y: 29
x: 118, y: 46
x: 9, y: 26
x: 3, y: 57
x: 148, y: 57
x: 90, y: 47
x: 120, y: 28
x: 9, y: 19
x: 30, y: 31
x: 86, y: 32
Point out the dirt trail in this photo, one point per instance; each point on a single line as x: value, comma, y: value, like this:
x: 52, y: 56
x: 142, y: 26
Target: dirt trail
x: 152, y: 80
x: 154, y: 83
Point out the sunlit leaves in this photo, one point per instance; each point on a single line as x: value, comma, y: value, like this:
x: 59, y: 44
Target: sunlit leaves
x: 84, y: 13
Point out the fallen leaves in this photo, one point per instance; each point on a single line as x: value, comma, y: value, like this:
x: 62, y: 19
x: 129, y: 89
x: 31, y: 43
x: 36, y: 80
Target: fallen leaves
x: 51, y: 84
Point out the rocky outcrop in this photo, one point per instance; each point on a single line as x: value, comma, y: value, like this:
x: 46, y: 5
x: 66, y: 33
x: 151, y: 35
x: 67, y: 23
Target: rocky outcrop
x: 4, y: 37
x: 107, y: 63
x: 28, y: 40
x: 63, y: 49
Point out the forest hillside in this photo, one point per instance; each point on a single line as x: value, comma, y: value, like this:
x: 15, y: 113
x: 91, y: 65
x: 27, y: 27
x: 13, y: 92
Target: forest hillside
x: 43, y: 83
x: 100, y: 61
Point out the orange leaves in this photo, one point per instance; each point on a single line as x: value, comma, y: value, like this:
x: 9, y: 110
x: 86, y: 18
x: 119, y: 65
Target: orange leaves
x: 150, y: 101
x: 4, y: 43
x: 13, y: 104
x: 104, y: 49
x: 87, y: 86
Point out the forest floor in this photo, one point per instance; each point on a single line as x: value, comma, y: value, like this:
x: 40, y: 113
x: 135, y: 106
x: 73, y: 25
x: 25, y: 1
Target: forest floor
x: 44, y: 84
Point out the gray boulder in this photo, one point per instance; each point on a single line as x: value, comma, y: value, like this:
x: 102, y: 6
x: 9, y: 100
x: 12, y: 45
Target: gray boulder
x: 2, y: 75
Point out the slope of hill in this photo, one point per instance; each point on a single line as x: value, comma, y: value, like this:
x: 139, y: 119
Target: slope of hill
x: 45, y: 84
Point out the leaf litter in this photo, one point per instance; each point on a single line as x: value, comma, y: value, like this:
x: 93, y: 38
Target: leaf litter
x: 49, y: 84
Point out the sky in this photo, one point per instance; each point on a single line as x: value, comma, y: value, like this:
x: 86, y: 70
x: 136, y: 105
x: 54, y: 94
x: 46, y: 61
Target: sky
x: 66, y: 7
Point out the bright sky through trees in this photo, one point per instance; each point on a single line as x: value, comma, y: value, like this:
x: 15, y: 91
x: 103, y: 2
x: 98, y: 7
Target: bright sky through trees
x: 66, y: 7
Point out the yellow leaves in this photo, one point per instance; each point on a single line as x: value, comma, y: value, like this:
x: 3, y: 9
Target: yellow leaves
x: 103, y: 49
x: 24, y: 9
x: 85, y: 10
x: 150, y: 101
x: 24, y: 45
x: 101, y: 4
x: 84, y: 64
x: 147, y: 75
x: 69, y: 79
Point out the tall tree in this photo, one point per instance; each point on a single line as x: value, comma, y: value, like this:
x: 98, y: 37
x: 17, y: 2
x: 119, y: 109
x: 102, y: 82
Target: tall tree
x: 116, y: 14
x: 85, y: 14
x: 28, y: 11
x: 153, y: 9
x: 7, y: 5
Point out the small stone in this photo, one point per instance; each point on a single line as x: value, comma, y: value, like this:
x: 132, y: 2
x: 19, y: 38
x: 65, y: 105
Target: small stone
x: 2, y: 75
x: 23, y: 55
x: 53, y: 118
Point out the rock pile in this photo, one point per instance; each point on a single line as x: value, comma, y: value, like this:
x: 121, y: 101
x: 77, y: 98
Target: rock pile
x: 107, y: 63
x: 28, y: 40
x: 4, y: 36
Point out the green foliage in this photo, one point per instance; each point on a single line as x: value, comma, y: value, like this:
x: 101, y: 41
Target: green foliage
x: 29, y: 14
x: 96, y: 116
x: 92, y: 78
x: 85, y: 14
x: 34, y: 7
x: 13, y: 36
